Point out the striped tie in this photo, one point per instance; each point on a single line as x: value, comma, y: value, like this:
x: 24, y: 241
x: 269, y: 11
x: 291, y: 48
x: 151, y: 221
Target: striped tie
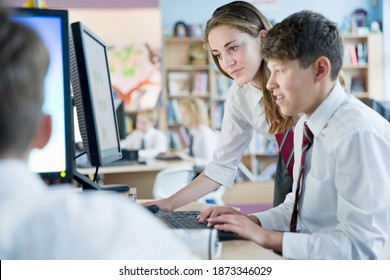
x: 307, y: 141
x: 285, y: 141
x: 142, y: 147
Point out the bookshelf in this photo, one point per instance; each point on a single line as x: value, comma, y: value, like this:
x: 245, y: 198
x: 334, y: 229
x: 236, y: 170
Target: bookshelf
x: 363, y: 65
x: 189, y: 72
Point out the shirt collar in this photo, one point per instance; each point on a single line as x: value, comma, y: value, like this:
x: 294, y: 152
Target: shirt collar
x: 326, y: 110
x: 258, y: 98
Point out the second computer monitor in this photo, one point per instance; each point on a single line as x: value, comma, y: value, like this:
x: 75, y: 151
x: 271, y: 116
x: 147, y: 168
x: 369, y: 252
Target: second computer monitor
x: 93, y: 95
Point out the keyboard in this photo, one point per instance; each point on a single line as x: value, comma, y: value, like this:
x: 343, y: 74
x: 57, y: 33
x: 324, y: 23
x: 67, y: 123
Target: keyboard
x: 187, y: 220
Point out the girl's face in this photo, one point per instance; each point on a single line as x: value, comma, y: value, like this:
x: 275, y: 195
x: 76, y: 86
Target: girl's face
x: 238, y: 53
x: 186, y: 118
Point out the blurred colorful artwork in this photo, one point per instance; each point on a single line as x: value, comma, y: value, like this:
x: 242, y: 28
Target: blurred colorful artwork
x: 136, y: 75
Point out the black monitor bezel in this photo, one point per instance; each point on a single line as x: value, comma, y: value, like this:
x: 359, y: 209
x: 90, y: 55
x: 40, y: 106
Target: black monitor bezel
x: 67, y: 174
x: 83, y: 96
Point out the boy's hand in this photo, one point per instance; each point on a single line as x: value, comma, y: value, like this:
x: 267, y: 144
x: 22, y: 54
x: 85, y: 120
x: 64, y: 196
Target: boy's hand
x: 215, y: 212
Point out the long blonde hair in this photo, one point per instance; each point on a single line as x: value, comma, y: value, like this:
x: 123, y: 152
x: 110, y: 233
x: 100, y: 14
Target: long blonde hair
x: 197, y: 109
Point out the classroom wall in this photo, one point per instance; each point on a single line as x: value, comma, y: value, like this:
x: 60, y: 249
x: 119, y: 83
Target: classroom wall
x: 91, y: 3
x: 200, y: 10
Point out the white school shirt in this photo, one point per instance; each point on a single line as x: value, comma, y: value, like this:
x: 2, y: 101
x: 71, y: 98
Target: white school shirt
x: 204, y: 143
x: 155, y: 142
x: 344, y: 211
x: 244, y: 113
x: 39, y: 224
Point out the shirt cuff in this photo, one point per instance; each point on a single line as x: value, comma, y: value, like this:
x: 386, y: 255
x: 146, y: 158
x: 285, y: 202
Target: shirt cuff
x: 295, y: 246
x: 221, y: 174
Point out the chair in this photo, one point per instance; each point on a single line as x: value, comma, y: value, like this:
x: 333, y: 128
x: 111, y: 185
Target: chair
x: 170, y: 180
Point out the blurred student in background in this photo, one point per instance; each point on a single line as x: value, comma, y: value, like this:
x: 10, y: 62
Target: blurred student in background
x: 148, y: 140
x: 202, y: 139
x: 39, y: 224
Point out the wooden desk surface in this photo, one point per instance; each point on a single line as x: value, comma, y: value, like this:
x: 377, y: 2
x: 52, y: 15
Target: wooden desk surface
x: 237, y: 249
x: 150, y: 166
x: 139, y: 176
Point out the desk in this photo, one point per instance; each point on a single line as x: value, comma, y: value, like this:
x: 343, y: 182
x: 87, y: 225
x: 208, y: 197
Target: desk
x: 139, y: 176
x: 237, y: 249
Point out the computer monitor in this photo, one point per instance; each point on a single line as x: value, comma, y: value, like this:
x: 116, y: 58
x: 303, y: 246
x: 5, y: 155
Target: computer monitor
x: 93, y: 96
x: 121, y: 117
x: 55, y: 161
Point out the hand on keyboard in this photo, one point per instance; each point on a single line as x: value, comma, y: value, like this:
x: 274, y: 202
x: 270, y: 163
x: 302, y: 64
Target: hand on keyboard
x: 188, y: 220
x: 215, y: 212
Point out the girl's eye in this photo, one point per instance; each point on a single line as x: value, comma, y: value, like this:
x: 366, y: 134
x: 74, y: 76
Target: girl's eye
x: 217, y: 56
x: 234, y: 48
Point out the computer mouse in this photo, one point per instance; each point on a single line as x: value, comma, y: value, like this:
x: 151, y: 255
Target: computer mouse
x: 153, y: 208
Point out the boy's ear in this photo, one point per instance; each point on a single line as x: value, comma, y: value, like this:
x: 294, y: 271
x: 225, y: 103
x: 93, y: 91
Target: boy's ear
x: 323, y: 68
x: 262, y: 34
x: 43, y: 133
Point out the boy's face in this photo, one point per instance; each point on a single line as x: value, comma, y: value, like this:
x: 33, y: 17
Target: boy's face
x: 143, y: 123
x: 294, y: 88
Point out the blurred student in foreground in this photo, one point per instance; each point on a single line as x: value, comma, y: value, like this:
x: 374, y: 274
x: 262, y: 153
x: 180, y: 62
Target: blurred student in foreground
x: 34, y: 222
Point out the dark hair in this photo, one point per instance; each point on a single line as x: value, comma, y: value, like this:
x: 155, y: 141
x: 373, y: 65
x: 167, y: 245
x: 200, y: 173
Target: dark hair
x: 24, y: 61
x: 247, y: 18
x: 305, y: 36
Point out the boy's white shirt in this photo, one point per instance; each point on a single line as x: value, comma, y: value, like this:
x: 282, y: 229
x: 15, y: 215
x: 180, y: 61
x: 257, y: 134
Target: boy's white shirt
x: 39, y: 224
x: 345, y: 208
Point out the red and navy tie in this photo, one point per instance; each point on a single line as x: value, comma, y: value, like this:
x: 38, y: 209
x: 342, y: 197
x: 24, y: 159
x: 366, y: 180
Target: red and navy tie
x: 307, y: 141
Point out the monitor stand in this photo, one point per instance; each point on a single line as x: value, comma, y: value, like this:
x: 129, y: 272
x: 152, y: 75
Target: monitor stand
x: 88, y: 184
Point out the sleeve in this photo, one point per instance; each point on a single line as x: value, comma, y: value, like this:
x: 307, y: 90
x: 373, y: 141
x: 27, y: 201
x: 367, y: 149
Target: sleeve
x: 278, y: 218
x: 236, y: 134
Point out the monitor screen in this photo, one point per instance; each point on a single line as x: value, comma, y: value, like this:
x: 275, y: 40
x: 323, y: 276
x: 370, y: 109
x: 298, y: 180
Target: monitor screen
x: 55, y: 161
x: 93, y: 96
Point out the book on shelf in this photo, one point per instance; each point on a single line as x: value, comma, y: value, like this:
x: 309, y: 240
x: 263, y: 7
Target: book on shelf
x: 357, y: 84
x: 179, y: 83
x: 178, y: 138
x: 217, y: 111
x: 200, y: 84
x: 173, y: 112
x: 355, y: 54
x: 223, y: 85
x: 184, y: 137
x: 351, y: 50
x: 174, y: 140
x: 361, y: 52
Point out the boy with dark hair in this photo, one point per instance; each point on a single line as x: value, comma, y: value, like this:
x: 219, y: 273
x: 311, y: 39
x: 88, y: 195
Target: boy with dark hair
x: 340, y: 204
x: 36, y: 223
